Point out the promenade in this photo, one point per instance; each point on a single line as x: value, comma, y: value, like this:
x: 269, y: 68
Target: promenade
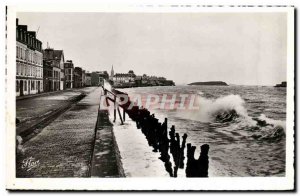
x: 65, y: 147
x: 83, y: 141
x: 36, y: 112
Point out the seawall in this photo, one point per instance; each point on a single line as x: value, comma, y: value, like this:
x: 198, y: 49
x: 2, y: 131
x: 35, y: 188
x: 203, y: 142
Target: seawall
x: 106, y: 159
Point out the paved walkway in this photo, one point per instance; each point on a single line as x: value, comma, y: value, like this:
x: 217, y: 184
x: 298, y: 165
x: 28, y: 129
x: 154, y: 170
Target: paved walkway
x: 64, y: 148
x: 36, y: 110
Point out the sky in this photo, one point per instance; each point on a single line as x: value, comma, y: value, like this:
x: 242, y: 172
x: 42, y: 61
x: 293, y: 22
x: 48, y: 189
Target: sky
x: 237, y: 48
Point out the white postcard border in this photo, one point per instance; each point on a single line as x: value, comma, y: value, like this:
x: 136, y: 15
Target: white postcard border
x: 213, y: 183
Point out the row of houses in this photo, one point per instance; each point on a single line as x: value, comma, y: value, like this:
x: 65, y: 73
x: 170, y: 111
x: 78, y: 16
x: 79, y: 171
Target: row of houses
x: 44, y: 70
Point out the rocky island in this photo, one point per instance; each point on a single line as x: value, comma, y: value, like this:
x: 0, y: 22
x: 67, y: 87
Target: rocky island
x: 283, y: 84
x: 214, y: 83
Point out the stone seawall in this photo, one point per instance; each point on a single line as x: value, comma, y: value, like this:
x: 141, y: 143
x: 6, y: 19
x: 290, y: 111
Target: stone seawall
x: 106, y: 159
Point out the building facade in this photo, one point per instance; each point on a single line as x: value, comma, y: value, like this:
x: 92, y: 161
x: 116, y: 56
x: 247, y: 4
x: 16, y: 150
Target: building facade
x: 29, y: 62
x: 88, y: 79
x: 124, y: 77
x: 69, y: 74
x: 78, y: 77
x: 98, y: 78
x: 95, y: 79
x: 48, y: 76
x: 51, y: 77
x: 83, y: 78
x: 56, y: 59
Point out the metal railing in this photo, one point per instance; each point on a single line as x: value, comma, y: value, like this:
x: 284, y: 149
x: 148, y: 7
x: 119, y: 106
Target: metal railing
x: 114, y: 98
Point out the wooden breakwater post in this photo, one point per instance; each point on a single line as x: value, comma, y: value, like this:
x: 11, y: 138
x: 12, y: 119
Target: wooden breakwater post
x: 199, y: 167
x: 176, y: 149
x: 156, y: 134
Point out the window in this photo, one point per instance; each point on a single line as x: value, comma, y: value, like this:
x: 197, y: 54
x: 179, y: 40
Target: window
x: 23, y: 69
x: 18, y: 68
x: 25, y: 85
x: 28, y: 70
x: 17, y: 86
x: 21, y: 66
x: 32, y: 85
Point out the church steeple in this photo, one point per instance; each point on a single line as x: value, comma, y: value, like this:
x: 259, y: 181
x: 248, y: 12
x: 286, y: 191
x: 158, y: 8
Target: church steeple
x: 112, y: 71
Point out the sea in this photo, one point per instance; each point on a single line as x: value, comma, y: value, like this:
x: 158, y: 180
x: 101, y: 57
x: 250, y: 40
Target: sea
x: 244, y: 126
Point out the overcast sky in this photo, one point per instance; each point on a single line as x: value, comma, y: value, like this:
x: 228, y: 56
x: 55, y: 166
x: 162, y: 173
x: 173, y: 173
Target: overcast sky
x: 238, y: 48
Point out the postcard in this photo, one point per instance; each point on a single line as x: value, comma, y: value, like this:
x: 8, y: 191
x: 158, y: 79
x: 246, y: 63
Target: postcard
x: 141, y: 98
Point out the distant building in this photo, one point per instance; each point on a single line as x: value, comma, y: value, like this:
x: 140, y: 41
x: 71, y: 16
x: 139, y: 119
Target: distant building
x: 56, y: 57
x: 104, y: 75
x: 95, y: 79
x: 83, y: 78
x: 69, y: 74
x: 124, y: 77
x: 29, y: 60
x: 125, y: 80
x: 98, y: 77
x: 138, y: 80
x: 88, y: 79
x: 78, y: 77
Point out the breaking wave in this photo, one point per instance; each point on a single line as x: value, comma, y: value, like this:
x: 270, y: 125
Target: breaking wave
x: 269, y: 129
x: 231, y: 109
x: 222, y: 109
x: 270, y: 134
